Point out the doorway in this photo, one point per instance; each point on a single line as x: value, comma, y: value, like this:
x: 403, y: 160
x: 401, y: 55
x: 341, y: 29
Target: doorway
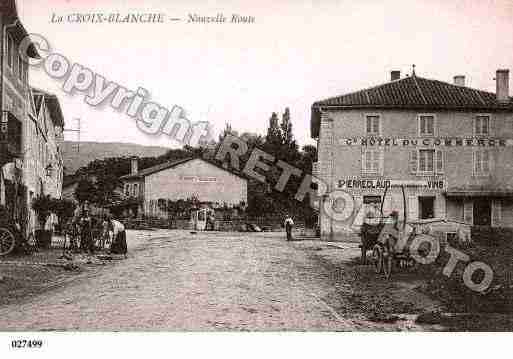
x: 482, y: 212
x: 427, y: 207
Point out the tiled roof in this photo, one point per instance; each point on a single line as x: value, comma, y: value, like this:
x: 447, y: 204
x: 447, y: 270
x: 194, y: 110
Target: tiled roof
x: 171, y: 164
x: 413, y: 92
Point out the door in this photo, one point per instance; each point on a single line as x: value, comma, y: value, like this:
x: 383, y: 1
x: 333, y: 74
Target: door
x: 427, y: 207
x: 482, y: 212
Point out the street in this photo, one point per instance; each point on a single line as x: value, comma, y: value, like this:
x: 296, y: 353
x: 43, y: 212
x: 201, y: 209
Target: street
x: 176, y: 280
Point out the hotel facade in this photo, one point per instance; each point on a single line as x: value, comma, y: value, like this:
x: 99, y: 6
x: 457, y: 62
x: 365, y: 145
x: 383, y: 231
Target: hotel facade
x: 449, y: 146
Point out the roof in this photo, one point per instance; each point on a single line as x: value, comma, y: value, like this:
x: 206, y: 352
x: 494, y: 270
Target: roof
x: 9, y: 7
x: 53, y: 104
x: 171, y: 164
x: 412, y: 93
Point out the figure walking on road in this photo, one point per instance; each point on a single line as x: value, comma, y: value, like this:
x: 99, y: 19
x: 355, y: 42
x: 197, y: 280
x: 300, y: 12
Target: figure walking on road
x: 118, y: 245
x: 289, y: 223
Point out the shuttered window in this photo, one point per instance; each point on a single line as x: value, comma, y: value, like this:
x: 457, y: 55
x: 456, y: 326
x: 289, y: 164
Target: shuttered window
x: 372, y: 162
x: 426, y: 125
x: 426, y: 160
x: 482, y: 125
x: 373, y: 125
x: 482, y: 162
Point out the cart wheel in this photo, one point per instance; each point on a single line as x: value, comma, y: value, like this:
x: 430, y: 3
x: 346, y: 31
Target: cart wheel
x: 364, y: 255
x: 388, y: 262
x: 7, y: 241
x: 377, y: 258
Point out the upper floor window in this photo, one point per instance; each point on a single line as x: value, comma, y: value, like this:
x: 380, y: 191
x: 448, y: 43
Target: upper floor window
x: 127, y: 189
x: 10, y: 51
x: 482, y: 162
x: 426, y: 125
x: 372, y: 161
x: 135, y: 190
x: 482, y: 125
x: 373, y: 125
x: 426, y: 162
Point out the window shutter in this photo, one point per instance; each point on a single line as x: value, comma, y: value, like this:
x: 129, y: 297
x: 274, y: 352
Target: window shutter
x: 381, y: 162
x: 440, y: 207
x: 475, y: 156
x: 468, y: 212
x: 439, y: 162
x: 364, y: 167
x: 496, y: 213
x: 414, y: 159
x: 413, y: 208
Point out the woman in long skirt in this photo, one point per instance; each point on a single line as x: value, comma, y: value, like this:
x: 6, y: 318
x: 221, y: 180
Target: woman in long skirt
x: 119, y: 238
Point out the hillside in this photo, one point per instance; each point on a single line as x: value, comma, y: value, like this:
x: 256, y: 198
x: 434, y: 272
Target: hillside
x: 90, y: 151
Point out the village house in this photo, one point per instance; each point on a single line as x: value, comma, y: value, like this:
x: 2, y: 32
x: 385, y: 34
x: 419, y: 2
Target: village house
x: 449, y: 145
x: 182, y: 179
x: 31, y: 128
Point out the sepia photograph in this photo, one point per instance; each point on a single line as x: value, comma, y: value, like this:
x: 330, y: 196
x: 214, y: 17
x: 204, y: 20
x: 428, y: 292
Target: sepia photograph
x: 292, y: 169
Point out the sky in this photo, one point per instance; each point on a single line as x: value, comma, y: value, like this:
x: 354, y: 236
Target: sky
x: 296, y: 52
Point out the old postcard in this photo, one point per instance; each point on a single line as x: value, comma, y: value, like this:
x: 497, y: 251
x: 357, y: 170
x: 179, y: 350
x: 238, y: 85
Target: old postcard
x: 228, y: 166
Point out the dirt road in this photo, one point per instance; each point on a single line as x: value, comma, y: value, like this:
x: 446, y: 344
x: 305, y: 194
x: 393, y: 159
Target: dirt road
x: 217, y: 281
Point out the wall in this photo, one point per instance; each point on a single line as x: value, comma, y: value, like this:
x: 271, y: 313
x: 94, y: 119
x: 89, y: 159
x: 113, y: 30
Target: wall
x: 339, y: 161
x: 177, y: 183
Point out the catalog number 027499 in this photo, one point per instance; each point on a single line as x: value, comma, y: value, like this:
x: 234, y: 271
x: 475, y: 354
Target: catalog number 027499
x: 26, y: 344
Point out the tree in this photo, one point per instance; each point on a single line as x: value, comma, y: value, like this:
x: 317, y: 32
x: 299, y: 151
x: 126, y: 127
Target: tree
x: 42, y: 204
x: 86, y: 191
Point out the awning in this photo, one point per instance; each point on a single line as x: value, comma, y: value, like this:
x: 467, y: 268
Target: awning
x: 473, y: 193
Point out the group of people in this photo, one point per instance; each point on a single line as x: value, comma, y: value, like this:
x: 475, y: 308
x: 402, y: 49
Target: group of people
x: 93, y: 232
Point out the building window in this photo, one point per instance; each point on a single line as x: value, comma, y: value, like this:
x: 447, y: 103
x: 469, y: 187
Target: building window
x: 127, y: 189
x: 135, y: 190
x: 482, y: 162
x: 373, y: 125
x: 426, y: 125
x: 371, y: 161
x: 426, y: 160
x: 10, y: 52
x: 482, y: 125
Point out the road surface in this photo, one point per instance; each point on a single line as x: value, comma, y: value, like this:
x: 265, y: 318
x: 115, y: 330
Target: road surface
x: 177, y: 281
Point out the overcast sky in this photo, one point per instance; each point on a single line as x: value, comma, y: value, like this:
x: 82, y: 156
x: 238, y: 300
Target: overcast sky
x: 297, y: 52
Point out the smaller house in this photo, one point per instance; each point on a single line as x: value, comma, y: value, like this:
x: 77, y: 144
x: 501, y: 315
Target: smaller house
x: 180, y: 180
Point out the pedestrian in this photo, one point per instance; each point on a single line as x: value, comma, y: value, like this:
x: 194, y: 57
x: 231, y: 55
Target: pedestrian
x: 289, y: 223
x: 118, y: 245
x: 86, y: 232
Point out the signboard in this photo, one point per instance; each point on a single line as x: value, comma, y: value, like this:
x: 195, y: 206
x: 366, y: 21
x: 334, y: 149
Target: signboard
x: 426, y: 142
x: 381, y: 184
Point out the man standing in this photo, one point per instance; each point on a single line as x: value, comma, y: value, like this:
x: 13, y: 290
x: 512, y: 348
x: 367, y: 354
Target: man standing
x: 289, y: 223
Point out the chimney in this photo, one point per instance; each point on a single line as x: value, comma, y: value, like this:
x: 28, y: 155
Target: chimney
x: 502, y: 81
x: 459, y: 80
x: 134, y: 166
x: 395, y: 75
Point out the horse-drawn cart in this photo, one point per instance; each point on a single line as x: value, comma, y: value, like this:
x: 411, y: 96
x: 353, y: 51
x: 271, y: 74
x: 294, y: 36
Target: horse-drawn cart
x: 392, y: 239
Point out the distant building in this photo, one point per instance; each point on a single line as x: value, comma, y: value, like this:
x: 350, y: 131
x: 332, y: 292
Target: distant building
x: 450, y: 145
x: 183, y: 179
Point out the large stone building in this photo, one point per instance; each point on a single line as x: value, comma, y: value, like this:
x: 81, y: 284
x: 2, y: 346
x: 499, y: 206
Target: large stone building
x: 451, y: 146
x: 31, y: 127
x: 183, y: 179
